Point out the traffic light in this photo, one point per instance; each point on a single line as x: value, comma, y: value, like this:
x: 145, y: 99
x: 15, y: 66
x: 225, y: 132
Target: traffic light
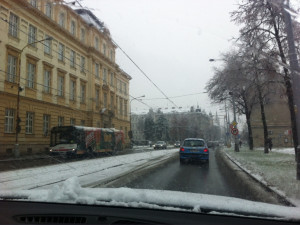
x: 18, y: 127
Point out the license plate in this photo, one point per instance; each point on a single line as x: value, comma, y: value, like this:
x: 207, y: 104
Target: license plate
x: 194, y: 151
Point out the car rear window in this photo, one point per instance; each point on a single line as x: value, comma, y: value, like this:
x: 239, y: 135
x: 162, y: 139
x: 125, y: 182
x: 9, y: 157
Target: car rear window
x: 193, y: 143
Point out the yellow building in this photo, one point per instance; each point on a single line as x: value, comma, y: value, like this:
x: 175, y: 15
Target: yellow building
x: 68, y: 74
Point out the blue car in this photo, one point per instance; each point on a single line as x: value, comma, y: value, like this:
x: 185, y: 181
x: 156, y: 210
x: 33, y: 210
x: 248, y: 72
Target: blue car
x: 194, y: 149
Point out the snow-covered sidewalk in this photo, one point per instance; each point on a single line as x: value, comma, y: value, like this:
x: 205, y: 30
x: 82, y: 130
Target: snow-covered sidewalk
x: 277, y: 170
x: 89, y: 172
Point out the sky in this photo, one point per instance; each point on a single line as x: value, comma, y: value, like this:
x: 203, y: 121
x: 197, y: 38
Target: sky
x: 172, y: 42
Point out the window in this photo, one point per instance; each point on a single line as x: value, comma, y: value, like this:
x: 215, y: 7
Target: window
x: 11, y: 68
x: 72, y: 90
x: 46, y: 124
x: 82, y: 64
x: 82, y: 35
x: 111, y: 102
x: 82, y: 93
x: 112, y: 79
x: 120, y: 87
x: 96, y: 43
x: 48, y: 10
x: 125, y: 88
x: 104, y: 76
x: 47, y: 80
x: 32, y: 35
x: 61, y: 52
x: 61, y: 20
x: 60, y: 121
x: 104, y: 49
x: 30, y: 75
x: 111, y: 55
x: 29, y: 123
x: 13, y: 25
x: 72, y: 122
x: 82, y: 122
x: 73, y: 28
x: 9, y: 120
x: 60, y: 87
x: 34, y: 3
x: 117, y: 104
x: 125, y: 108
x: 97, y: 70
x: 72, y: 58
x: 121, y: 107
x: 105, y: 100
x: 47, y: 45
x: 97, y: 97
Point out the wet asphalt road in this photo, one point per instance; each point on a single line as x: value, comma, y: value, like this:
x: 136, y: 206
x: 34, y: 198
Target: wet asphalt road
x: 214, y: 178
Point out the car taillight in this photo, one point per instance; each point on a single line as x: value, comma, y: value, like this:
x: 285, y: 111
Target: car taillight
x: 205, y: 150
x: 182, y: 149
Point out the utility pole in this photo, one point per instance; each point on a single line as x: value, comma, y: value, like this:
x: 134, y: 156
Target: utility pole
x: 295, y: 74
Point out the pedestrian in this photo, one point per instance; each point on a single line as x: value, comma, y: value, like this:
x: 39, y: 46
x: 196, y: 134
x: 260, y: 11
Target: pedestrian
x: 270, y: 143
x: 240, y: 143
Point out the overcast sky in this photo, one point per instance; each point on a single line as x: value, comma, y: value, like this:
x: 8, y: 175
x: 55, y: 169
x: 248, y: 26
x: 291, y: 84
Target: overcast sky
x: 171, y: 41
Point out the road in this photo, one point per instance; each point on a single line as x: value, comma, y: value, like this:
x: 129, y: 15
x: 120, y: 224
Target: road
x: 215, y: 178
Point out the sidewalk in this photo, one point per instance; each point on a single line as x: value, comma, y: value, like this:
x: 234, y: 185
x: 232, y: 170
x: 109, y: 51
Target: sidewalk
x: 276, y: 170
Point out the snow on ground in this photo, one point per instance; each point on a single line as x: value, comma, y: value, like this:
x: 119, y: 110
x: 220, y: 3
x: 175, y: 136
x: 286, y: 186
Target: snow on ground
x: 89, y: 171
x: 276, y: 169
x: 70, y: 191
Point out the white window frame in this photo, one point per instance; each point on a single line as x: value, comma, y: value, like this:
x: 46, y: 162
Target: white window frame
x: 9, y: 120
x: 60, y: 87
x: 61, y: 52
x: 60, y: 121
x: 48, y: 10
x: 47, y: 45
x: 82, y: 93
x: 72, y: 58
x: 47, y: 80
x: 61, y: 19
x: 72, y: 89
x: 11, y: 68
x: 29, y: 122
x: 34, y: 3
x: 73, y: 27
x: 31, y: 69
x: 32, y: 35
x: 46, y: 124
x: 104, y: 76
x: 82, y: 64
x: 13, y: 25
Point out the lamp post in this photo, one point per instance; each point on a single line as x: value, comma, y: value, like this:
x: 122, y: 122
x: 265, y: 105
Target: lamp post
x: 130, y: 132
x: 18, y: 120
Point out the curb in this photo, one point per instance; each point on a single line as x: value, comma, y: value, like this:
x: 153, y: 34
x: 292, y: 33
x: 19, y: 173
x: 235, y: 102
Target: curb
x: 279, y: 193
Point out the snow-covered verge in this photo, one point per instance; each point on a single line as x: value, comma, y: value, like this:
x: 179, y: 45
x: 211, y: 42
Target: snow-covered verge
x: 277, y: 170
x: 89, y: 172
x: 70, y: 191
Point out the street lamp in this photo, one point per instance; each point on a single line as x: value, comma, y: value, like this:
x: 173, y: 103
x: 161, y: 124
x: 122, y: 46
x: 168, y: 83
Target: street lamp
x: 130, y: 132
x: 18, y: 120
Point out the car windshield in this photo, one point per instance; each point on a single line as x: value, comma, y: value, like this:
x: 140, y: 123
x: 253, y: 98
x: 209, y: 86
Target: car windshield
x: 193, y: 143
x: 180, y: 105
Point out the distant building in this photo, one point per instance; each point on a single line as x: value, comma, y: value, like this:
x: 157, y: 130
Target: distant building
x: 277, y: 117
x: 70, y: 80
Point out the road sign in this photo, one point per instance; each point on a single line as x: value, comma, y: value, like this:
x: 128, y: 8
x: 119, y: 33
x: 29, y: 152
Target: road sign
x: 234, y: 123
x: 235, y: 131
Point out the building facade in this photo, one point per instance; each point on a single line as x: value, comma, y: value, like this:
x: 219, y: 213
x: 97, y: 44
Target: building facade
x: 63, y: 63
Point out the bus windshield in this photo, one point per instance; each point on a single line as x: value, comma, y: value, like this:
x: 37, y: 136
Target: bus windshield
x: 62, y: 137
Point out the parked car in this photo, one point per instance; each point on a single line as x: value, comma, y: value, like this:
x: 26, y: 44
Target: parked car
x: 177, y: 144
x: 194, y: 149
x: 160, y: 145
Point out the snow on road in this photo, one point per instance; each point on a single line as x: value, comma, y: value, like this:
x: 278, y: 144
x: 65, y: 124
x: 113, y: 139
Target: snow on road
x: 88, y: 171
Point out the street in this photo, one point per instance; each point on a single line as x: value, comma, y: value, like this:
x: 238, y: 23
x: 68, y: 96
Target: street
x: 214, y: 178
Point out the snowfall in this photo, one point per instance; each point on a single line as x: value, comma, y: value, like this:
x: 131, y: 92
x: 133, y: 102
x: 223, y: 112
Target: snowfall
x: 73, y: 183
